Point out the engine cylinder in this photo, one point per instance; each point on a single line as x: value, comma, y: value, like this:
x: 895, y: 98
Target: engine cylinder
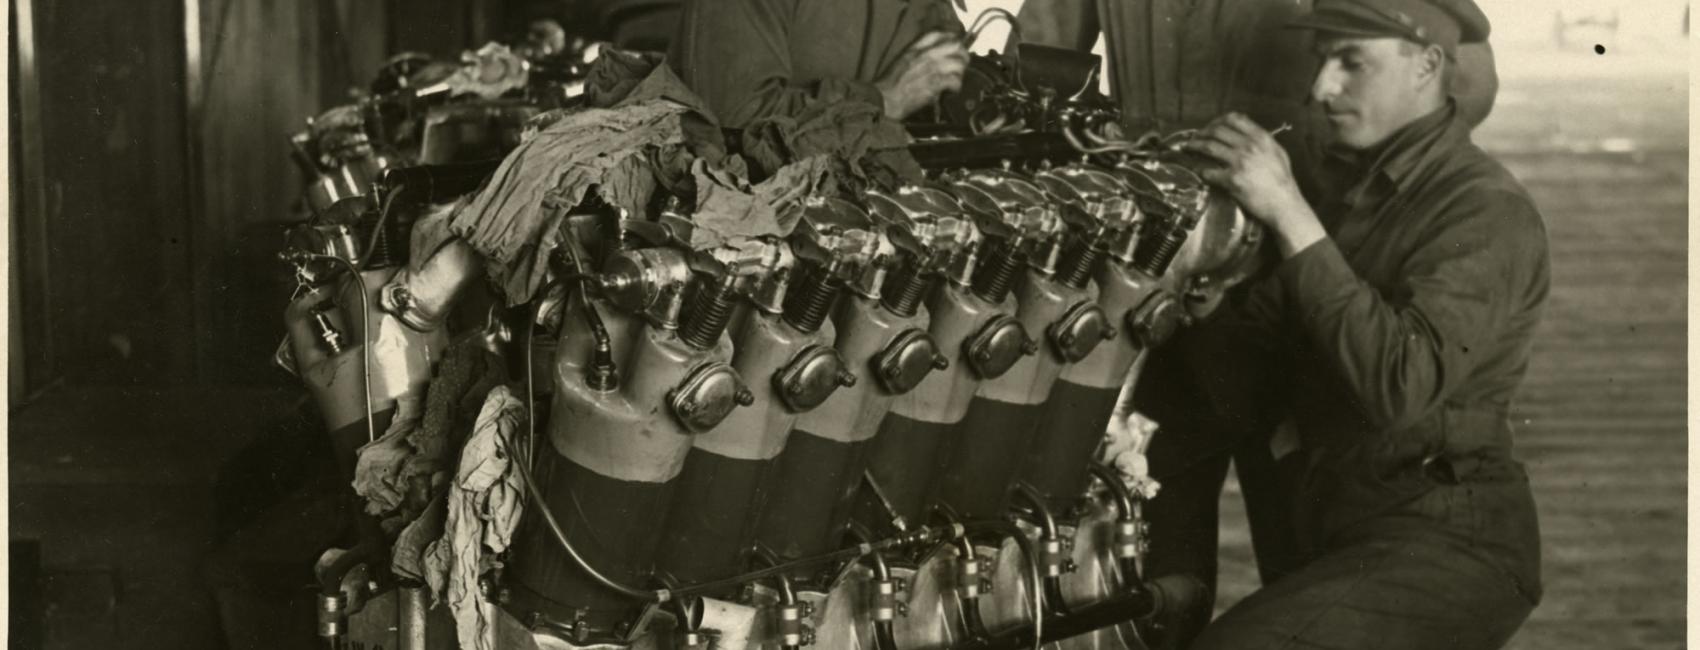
x: 822, y: 464
x: 1085, y: 394
x: 399, y: 358
x: 727, y: 474
x: 610, y: 470
x: 908, y: 449
x: 997, y: 429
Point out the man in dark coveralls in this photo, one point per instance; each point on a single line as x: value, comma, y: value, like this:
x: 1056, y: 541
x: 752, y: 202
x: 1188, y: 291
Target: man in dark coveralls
x: 1177, y: 64
x: 1400, y: 321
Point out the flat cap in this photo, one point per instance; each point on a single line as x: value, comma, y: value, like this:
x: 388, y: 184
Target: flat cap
x: 1446, y: 23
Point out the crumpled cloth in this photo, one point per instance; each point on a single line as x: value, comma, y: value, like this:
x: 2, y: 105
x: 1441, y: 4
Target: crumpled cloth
x: 399, y: 472
x: 621, y: 78
x: 615, y: 73
x: 728, y: 207
x: 552, y: 171
x: 484, y: 503
x: 866, y: 148
x: 1125, y: 450
x: 377, y: 465
x: 466, y: 374
x: 338, y: 128
x: 407, y: 555
x: 488, y: 72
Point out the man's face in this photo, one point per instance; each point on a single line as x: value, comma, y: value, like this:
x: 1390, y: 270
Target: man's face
x: 1369, y: 87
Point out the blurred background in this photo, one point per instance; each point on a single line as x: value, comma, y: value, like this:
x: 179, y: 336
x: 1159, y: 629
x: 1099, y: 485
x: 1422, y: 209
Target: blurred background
x: 152, y: 180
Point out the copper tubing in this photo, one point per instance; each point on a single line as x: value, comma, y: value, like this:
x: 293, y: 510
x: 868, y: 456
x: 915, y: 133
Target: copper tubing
x: 1051, y: 534
x: 884, y: 638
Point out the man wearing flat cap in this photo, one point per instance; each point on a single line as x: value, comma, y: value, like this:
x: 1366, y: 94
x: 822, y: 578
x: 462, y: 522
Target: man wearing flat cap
x: 1406, y: 304
x: 1177, y: 64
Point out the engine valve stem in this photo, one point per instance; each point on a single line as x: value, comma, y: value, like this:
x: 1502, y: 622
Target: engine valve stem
x: 710, y: 313
x: 906, y: 289
x: 808, y: 308
x: 1155, y: 254
x: 1085, y: 261
x: 997, y: 274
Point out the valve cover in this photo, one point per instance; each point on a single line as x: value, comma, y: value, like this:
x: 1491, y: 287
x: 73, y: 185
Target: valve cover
x: 1080, y: 330
x: 905, y: 361
x: 1156, y: 319
x: 707, y: 396
x: 997, y: 346
x: 811, y: 377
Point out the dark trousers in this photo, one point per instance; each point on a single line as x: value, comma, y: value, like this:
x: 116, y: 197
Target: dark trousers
x: 1455, y: 568
x: 1184, y: 519
x: 1393, y: 587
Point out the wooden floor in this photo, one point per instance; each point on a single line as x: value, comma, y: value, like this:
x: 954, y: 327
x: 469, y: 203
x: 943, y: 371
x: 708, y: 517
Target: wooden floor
x: 1603, y: 412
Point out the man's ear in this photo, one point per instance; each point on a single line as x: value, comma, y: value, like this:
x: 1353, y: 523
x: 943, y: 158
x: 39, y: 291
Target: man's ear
x: 1431, y: 64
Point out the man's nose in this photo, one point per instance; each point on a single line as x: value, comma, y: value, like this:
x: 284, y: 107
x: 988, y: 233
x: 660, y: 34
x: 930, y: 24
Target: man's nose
x: 1327, y: 83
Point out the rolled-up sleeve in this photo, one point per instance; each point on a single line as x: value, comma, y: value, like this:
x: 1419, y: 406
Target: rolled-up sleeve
x: 736, y: 54
x: 1404, y: 349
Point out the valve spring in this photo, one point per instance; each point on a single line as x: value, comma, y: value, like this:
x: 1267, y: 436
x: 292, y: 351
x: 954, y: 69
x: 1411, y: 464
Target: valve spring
x: 1154, y: 254
x: 905, y: 291
x: 709, y: 314
x: 1086, y: 258
x: 808, y: 308
x: 365, y: 230
x: 385, y: 254
x: 997, y: 273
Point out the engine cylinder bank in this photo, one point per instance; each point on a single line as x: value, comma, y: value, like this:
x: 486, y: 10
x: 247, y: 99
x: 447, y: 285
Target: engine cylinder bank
x: 818, y: 432
x: 1074, y: 419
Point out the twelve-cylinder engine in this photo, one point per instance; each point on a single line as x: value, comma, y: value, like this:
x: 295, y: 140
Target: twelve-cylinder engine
x: 875, y: 424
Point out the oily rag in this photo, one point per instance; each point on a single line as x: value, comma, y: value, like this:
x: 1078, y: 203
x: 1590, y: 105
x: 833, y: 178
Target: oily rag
x: 484, y: 503
x: 508, y: 217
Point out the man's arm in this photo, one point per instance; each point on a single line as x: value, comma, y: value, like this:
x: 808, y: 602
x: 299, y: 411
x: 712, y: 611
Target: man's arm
x: 736, y: 54
x: 1403, y: 352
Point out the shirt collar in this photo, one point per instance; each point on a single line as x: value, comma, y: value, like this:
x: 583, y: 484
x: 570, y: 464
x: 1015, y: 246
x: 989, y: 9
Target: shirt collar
x: 1392, y: 166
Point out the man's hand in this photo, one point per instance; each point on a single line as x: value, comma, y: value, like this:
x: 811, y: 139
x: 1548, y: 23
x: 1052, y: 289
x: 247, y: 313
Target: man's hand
x: 931, y: 65
x: 1256, y: 172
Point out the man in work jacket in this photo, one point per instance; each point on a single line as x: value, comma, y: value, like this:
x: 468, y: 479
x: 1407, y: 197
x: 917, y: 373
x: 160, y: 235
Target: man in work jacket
x: 1177, y: 64
x: 1400, y: 321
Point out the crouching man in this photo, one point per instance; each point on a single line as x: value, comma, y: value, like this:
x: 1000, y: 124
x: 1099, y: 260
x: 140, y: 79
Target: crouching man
x: 1407, y: 305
